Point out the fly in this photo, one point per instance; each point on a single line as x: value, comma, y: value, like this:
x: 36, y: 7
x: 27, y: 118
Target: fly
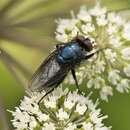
x: 66, y: 57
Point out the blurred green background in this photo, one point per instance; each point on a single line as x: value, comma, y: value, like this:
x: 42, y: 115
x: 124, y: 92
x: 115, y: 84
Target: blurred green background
x: 27, y: 31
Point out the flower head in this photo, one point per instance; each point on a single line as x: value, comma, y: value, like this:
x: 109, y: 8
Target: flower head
x: 109, y: 68
x: 82, y: 114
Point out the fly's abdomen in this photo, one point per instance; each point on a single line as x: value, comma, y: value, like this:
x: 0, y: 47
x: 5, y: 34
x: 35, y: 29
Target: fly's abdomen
x: 70, y: 54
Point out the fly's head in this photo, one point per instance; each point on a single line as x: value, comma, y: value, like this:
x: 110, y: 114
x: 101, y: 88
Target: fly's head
x: 85, y: 43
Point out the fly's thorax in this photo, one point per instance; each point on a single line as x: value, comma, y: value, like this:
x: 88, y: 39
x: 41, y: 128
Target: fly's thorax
x: 72, y: 53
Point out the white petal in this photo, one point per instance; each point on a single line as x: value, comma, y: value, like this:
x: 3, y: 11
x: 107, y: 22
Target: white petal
x: 84, y: 15
x: 126, y: 31
x: 81, y: 109
x: 126, y: 53
x: 62, y: 115
x: 127, y: 70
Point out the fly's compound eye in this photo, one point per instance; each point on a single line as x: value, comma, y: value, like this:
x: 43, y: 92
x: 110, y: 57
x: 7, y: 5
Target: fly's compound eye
x: 85, y: 43
x: 88, y: 45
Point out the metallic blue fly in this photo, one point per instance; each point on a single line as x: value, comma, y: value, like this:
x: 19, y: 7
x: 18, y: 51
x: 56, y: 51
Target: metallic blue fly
x: 66, y: 57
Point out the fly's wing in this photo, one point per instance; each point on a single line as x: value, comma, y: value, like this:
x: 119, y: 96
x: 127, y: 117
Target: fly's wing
x: 50, y: 74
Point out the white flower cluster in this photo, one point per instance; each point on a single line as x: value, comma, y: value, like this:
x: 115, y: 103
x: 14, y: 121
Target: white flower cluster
x: 109, y: 68
x: 60, y: 110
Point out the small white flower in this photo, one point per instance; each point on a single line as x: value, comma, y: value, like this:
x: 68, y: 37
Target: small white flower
x: 97, y: 10
x: 110, y: 55
x: 49, y: 126
x: 29, y: 105
x: 95, y: 117
x: 112, y: 29
x: 62, y: 115
x: 70, y: 127
x: 62, y: 37
x: 126, y: 53
x: 81, y: 109
x: 99, y: 82
x: 124, y: 85
x: 36, y: 96
x: 59, y: 93
x: 67, y: 27
x: 20, y: 125
x: 102, y: 128
x: 115, y: 41
x: 50, y: 102
x: 87, y: 28
x: 64, y: 24
x: 127, y: 70
x: 42, y: 117
x: 126, y: 31
x: 90, y: 83
x: 105, y: 92
x: 84, y: 15
x: 32, y: 123
x: 101, y: 20
x: 70, y: 80
x: 114, y: 77
x: 69, y: 104
x: 100, y: 67
x: 88, y: 126
x: 115, y: 19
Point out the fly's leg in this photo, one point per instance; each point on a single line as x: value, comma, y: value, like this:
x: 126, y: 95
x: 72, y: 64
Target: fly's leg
x: 89, y: 56
x: 45, y: 96
x: 75, y: 79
